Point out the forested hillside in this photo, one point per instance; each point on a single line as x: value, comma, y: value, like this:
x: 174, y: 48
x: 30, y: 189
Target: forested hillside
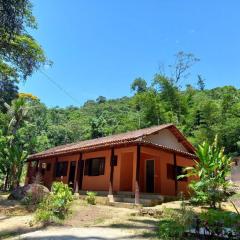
x: 199, y: 113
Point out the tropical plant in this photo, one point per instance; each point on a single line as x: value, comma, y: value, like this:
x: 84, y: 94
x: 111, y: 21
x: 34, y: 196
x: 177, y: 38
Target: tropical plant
x: 210, y: 173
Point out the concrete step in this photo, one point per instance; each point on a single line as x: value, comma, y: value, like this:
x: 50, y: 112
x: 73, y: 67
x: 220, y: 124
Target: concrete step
x: 99, y: 193
x: 125, y: 205
x: 142, y: 195
x: 144, y: 202
x: 146, y: 199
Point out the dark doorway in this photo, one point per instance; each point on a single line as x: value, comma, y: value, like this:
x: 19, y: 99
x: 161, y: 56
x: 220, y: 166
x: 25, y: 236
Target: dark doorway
x: 150, y: 176
x: 71, y: 177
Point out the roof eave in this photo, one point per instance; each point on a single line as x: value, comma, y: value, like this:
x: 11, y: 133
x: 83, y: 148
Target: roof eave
x: 107, y: 146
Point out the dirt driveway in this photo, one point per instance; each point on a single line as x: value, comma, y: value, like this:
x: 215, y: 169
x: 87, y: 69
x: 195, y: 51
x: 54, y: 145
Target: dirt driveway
x: 68, y: 233
x: 85, y: 222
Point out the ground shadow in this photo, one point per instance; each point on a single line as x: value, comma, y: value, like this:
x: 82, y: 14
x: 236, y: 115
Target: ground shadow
x: 70, y: 237
x: 18, y: 231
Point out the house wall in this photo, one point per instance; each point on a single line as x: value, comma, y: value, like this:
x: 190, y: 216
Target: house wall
x: 47, y: 177
x: 165, y: 138
x: 163, y: 185
x: 125, y: 172
x: 184, y: 162
x: 97, y: 183
x: 69, y: 159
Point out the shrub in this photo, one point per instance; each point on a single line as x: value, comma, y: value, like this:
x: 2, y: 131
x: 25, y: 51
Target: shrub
x: 221, y: 222
x: 55, y: 206
x: 91, y: 198
x: 174, y: 223
x: 211, y: 224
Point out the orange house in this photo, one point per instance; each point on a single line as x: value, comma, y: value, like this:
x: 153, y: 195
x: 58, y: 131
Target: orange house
x: 142, y: 161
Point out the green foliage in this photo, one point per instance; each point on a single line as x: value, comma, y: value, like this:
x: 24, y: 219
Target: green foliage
x: 139, y: 85
x: 55, y: 206
x: 20, y: 54
x: 16, y: 16
x: 230, y: 219
x: 174, y: 223
x: 91, y: 198
x: 211, y: 171
x: 198, y: 112
x: 177, y: 224
x: 20, y: 137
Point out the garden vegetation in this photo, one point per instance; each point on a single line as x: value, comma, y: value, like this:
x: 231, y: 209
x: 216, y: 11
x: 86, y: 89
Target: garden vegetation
x: 55, y: 206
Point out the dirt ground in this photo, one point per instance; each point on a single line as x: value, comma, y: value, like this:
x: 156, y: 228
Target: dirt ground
x: 85, y: 222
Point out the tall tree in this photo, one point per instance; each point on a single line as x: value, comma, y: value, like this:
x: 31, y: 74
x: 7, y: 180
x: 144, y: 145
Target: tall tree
x: 20, y: 54
x: 201, y: 83
x: 139, y: 85
x: 183, y: 63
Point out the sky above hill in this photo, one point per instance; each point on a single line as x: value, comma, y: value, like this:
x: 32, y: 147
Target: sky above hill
x: 100, y: 47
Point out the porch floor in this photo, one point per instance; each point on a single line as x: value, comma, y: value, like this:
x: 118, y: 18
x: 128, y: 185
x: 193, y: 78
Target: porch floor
x: 127, y: 199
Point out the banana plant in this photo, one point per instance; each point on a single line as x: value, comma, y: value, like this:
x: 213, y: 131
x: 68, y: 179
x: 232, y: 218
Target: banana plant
x: 210, y: 174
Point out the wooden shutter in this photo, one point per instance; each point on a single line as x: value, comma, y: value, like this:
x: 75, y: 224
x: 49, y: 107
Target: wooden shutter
x: 64, y: 168
x: 86, y: 168
x: 101, y: 166
x: 58, y: 173
x: 170, y: 172
x: 48, y: 166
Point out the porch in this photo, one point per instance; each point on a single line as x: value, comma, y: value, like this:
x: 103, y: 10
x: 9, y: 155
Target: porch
x: 127, y: 199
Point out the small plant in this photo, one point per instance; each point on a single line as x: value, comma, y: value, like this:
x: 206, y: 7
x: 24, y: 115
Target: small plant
x: 91, y: 198
x: 55, y: 206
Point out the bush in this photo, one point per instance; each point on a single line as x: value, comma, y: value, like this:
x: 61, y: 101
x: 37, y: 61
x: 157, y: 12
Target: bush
x: 174, y: 223
x: 91, y: 198
x: 55, y: 206
x: 221, y: 221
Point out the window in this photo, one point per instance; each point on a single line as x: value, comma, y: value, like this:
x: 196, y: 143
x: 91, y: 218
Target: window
x: 171, y: 172
x: 42, y: 171
x: 61, y: 169
x: 94, y: 166
x: 114, y: 161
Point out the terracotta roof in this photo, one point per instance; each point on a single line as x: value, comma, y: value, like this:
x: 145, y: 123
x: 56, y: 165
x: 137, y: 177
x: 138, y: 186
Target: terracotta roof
x: 118, y: 139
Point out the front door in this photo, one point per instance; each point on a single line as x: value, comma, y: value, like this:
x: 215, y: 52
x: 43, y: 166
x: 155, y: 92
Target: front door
x: 150, y: 176
x: 72, y: 174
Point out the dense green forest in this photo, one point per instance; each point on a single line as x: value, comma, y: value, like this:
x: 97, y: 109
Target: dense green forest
x: 28, y: 126
x: 200, y: 114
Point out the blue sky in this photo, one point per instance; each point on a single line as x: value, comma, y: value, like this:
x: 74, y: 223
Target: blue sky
x: 99, y: 47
